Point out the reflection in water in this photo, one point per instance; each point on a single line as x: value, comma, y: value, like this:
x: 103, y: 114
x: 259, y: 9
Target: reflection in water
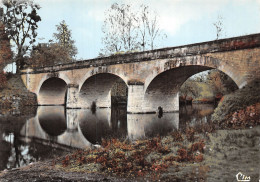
x: 70, y: 137
x: 54, y: 130
x: 104, y: 123
x: 149, y: 125
x: 191, y: 115
x: 52, y: 119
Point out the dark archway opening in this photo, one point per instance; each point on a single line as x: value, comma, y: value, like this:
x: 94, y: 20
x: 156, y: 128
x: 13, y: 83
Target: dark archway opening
x: 52, y: 92
x: 163, y: 90
x: 104, y: 90
x: 119, y: 93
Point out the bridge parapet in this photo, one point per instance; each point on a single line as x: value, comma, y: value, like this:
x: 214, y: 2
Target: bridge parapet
x: 222, y: 45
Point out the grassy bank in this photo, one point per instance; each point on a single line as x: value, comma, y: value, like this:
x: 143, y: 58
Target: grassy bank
x: 242, y: 104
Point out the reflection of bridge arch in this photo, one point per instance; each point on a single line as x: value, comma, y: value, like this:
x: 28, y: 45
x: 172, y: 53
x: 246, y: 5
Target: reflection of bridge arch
x: 52, y: 120
x: 97, y: 88
x: 95, y: 125
x: 81, y: 133
x: 72, y: 137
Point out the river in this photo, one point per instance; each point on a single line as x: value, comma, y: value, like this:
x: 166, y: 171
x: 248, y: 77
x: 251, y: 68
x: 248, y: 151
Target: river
x: 54, y: 130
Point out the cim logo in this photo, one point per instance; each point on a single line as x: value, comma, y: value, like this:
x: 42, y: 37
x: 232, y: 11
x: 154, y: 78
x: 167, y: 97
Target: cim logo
x: 242, y: 177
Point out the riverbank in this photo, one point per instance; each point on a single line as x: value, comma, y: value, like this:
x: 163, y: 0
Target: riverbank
x: 241, y: 102
x: 200, y: 154
x: 14, y: 97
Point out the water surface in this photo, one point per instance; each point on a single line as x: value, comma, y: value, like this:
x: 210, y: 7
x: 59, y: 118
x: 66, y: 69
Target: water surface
x: 55, y: 130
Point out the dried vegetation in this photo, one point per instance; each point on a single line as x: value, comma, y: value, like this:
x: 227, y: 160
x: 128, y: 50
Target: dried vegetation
x: 239, y: 109
x: 149, y: 157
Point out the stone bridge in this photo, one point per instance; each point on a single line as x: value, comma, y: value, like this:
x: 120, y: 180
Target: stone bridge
x: 153, y: 77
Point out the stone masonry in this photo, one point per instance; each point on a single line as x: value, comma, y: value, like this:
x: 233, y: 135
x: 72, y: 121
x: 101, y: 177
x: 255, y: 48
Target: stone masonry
x: 153, y: 77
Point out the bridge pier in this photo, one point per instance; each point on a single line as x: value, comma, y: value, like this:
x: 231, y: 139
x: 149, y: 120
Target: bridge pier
x: 168, y: 102
x: 72, y: 96
x: 135, y: 98
x: 141, y: 102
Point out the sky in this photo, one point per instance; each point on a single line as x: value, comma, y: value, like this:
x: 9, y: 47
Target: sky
x: 183, y: 21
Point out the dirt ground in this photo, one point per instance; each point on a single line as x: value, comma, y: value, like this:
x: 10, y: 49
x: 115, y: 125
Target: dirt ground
x: 42, y: 171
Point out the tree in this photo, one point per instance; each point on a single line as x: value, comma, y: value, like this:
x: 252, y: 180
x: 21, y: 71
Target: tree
x: 120, y: 29
x: 219, y: 27
x: 20, y: 19
x: 64, y: 38
x: 127, y: 30
x: 48, y: 54
x: 189, y: 89
x: 149, y: 23
x: 221, y: 83
x: 5, y: 48
x: 143, y: 26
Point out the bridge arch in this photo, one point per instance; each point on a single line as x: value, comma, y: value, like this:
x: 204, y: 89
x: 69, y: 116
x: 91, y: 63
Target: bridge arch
x: 52, y: 92
x: 163, y: 89
x: 45, y: 77
x: 206, y: 63
x: 97, y: 71
x: 97, y: 89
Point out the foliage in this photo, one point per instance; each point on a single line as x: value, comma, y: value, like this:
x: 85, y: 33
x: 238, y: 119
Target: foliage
x: 5, y: 48
x: 221, y: 83
x: 177, y: 136
x: 190, y: 132
x: 207, y: 87
x: 48, y: 55
x: 148, y: 27
x: 64, y: 39
x: 127, y: 30
x: 20, y: 19
x: 189, y: 89
x: 250, y: 116
x: 15, y: 95
x: 120, y: 29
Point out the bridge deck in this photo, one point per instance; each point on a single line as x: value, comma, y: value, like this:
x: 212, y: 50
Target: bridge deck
x: 222, y: 45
